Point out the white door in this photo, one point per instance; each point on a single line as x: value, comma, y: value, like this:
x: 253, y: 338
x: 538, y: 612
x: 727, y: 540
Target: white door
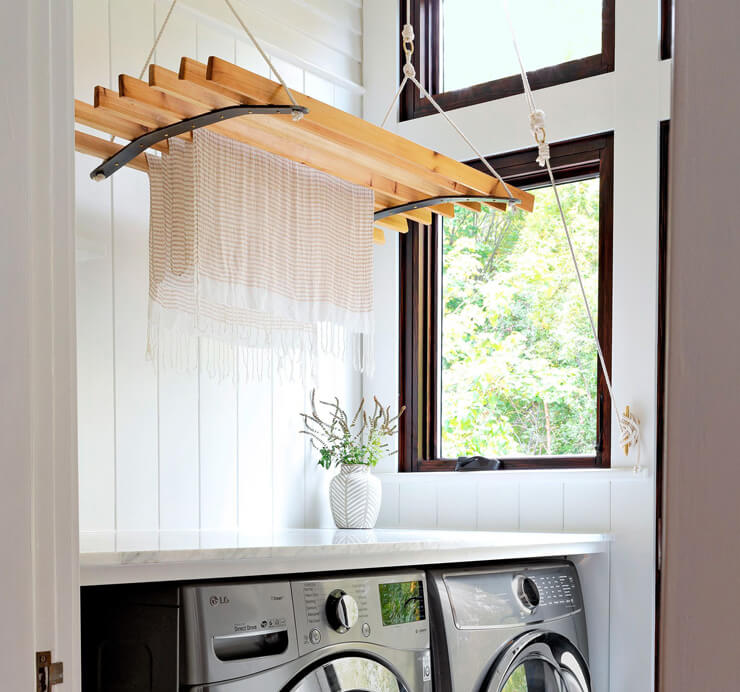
x: 39, y: 563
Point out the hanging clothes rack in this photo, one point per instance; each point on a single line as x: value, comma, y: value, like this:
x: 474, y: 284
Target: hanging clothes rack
x: 410, y: 181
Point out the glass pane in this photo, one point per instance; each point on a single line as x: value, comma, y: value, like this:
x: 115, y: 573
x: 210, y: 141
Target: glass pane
x: 351, y: 674
x: 518, y: 368
x: 533, y: 676
x: 477, y: 45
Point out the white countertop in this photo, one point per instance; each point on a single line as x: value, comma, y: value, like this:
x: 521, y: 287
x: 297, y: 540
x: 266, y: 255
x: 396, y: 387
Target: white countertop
x: 171, y: 556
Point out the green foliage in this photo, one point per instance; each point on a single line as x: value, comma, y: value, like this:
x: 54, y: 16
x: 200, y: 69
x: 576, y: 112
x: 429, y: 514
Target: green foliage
x: 518, y: 362
x: 339, y: 440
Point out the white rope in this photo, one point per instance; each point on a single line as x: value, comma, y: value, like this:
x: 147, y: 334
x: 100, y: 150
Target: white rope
x: 409, y: 74
x: 297, y: 115
x: 629, y: 424
x: 156, y: 40
x: 395, y: 98
x: 154, y: 46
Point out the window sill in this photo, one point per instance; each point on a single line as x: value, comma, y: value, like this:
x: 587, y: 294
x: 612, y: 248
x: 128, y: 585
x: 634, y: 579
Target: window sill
x: 620, y: 473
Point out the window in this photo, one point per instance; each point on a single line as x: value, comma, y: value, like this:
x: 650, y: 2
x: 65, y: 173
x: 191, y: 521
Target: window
x: 496, y: 354
x: 464, y: 53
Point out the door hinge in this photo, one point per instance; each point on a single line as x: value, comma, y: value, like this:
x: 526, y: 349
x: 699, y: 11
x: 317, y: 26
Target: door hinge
x: 48, y: 674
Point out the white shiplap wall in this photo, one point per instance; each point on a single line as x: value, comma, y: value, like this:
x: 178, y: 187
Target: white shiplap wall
x: 161, y: 449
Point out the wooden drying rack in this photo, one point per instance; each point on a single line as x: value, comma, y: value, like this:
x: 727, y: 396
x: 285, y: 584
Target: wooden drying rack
x: 399, y: 171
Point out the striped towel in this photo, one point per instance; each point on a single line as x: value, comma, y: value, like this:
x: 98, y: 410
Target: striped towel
x: 255, y: 260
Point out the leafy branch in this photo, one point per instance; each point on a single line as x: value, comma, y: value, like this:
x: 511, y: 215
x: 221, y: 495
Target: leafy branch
x: 363, y: 439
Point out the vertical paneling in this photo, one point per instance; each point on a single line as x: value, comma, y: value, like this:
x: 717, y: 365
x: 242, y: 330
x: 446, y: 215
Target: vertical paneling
x: 218, y: 448
x: 289, y: 454
x: 137, y: 502
x: 248, y: 57
x: 457, y: 505
x: 211, y: 41
x: 180, y: 37
x: 587, y: 506
x: 418, y: 507
x: 632, y: 582
x: 161, y: 448
x: 179, y: 462
x: 389, y: 506
x: 319, y: 88
x: 541, y: 506
x: 96, y: 423
x: 178, y: 450
x: 135, y: 376
x: 292, y: 74
x: 348, y: 101
x: 91, y: 47
x: 498, y: 505
x: 254, y: 400
x: 131, y: 36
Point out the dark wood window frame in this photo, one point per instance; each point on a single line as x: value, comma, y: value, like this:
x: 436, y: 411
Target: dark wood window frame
x: 667, y: 13
x: 419, y: 294
x: 427, y: 21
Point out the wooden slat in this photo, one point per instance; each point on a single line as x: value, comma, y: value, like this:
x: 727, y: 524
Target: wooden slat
x: 195, y: 86
x: 133, y: 111
x: 378, y: 236
x: 200, y: 91
x: 261, y: 132
x: 241, y: 81
x: 102, y: 148
x: 422, y: 216
x: 447, y: 209
x: 394, y: 223
x: 105, y: 121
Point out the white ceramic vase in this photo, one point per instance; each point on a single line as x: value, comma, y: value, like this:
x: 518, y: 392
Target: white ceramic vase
x: 354, y: 494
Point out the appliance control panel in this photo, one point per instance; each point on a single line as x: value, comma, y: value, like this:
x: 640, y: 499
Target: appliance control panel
x: 387, y: 609
x: 502, y: 598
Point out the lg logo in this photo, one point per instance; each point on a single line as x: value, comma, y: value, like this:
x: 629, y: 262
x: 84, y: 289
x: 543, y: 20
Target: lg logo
x: 219, y: 600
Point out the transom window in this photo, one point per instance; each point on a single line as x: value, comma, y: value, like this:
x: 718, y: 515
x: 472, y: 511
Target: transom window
x: 464, y: 51
x: 497, y: 356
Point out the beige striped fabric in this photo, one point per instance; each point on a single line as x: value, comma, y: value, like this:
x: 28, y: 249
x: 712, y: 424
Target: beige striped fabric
x: 256, y: 261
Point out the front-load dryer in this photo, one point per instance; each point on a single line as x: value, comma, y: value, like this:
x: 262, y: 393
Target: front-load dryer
x: 344, y: 633
x: 518, y: 628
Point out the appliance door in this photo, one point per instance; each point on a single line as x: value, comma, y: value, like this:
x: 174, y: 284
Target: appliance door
x: 349, y: 674
x: 539, y: 662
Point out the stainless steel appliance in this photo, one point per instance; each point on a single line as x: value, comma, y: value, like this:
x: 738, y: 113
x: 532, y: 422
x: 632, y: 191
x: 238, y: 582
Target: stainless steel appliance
x: 518, y: 628
x: 334, y: 634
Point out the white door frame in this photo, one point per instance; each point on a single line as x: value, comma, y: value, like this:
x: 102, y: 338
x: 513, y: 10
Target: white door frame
x: 39, y: 543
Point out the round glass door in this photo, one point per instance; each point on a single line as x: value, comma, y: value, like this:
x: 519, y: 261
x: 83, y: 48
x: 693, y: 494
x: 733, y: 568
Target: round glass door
x: 540, y: 662
x: 350, y: 674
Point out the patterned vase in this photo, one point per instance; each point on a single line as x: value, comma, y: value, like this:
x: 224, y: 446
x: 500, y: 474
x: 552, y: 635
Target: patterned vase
x: 354, y: 494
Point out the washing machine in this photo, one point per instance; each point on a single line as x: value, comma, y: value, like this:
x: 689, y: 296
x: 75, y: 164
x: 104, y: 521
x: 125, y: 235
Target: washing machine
x: 366, y: 632
x: 354, y: 632
x: 514, y: 628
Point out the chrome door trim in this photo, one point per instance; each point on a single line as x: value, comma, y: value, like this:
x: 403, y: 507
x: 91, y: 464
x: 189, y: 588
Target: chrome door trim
x: 370, y: 666
x: 551, y: 648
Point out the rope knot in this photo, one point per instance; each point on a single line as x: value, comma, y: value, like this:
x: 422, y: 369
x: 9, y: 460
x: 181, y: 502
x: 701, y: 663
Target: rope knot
x: 629, y: 430
x: 543, y: 154
x: 408, y: 33
x: 537, y: 126
x: 297, y: 115
x: 409, y: 70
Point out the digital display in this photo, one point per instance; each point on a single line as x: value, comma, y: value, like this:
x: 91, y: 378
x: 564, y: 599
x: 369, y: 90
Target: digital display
x: 402, y: 602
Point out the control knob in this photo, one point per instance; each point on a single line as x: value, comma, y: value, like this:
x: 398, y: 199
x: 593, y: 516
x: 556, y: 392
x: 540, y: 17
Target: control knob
x: 527, y: 593
x: 341, y: 611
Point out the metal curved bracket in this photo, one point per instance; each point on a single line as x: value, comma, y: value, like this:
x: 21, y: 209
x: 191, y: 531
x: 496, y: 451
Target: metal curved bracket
x: 138, y: 145
x: 433, y: 201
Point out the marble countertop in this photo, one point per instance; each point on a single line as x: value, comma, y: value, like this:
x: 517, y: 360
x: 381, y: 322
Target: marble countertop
x: 127, y: 557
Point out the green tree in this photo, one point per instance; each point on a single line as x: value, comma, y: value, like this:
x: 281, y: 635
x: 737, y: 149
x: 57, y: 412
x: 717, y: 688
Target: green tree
x: 518, y: 361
